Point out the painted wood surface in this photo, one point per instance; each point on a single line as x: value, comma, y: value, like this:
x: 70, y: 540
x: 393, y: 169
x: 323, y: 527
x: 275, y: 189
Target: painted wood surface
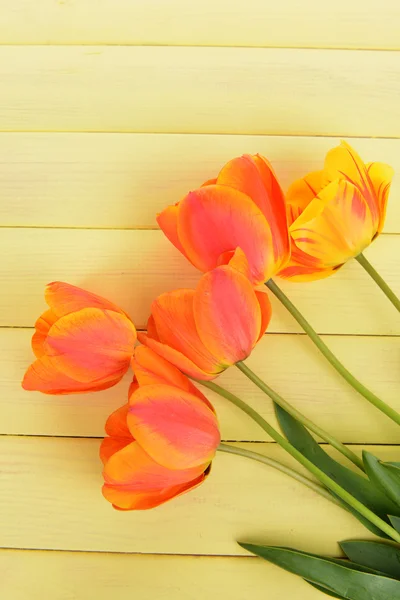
x: 109, y: 111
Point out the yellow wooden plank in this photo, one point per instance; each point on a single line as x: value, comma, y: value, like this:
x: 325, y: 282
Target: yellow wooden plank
x: 289, y: 363
x: 353, y: 24
x: 119, y: 180
x: 204, y: 90
x: 133, y: 267
x: 50, y: 498
x: 30, y: 575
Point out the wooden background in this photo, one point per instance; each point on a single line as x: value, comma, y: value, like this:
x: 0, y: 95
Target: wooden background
x: 110, y: 110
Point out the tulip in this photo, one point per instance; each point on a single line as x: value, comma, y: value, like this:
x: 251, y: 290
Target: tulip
x: 82, y: 343
x: 162, y: 442
x: 335, y: 213
x: 243, y: 208
x: 206, y: 330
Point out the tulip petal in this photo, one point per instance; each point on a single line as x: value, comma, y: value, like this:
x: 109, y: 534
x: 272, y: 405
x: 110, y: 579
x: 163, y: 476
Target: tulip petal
x: 344, y: 162
x: 176, y: 358
x: 174, y: 427
x: 266, y: 311
x: 42, y: 326
x: 122, y: 498
x: 91, y: 344
x: 275, y: 210
x: 300, y: 194
x: 227, y: 314
x: 133, y: 468
x: 242, y: 174
x: 335, y: 226
x: 111, y: 445
x: 237, y: 260
x: 152, y: 329
x: 176, y: 327
x: 64, y: 299
x: 168, y: 222
x: 212, y: 181
x: 216, y: 219
x: 43, y: 377
x: 150, y: 368
x: 116, y: 425
x: 303, y: 272
x: 381, y: 176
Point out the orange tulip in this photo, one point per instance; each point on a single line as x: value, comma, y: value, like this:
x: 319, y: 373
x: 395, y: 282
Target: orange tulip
x: 162, y: 442
x: 206, y: 330
x: 335, y: 213
x: 82, y: 343
x: 243, y: 208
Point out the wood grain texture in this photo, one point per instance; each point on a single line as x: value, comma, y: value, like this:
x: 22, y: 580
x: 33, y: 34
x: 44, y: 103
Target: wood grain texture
x: 200, y: 90
x: 50, y: 498
x: 352, y: 24
x: 133, y: 267
x: 79, y: 576
x: 289, y: 363
x: 124, y: 180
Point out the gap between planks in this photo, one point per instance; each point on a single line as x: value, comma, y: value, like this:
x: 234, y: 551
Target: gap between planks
x: 224, y: 441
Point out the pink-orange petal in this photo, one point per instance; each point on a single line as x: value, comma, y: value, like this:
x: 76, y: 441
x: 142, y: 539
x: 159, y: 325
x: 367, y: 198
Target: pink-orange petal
x: 150, y: 368
x: 41, y: 376
x: 218, y: 219
x: 275, y: 211
x: 133, y: 467
x: 177, y: 358
x: 152, y: 329
x: 266, y: 310
x: 176, y: 327
x: 91, y: 344
x: 42, y: 326
x: 116, y: 425
x: 111, y: 445
x: 227, y: 314
x: 381, y: 176
x: 168, y: 222
x: 123, y: 498
x: 64, y: 298
x: 237, y: 260
x: 174, y: 427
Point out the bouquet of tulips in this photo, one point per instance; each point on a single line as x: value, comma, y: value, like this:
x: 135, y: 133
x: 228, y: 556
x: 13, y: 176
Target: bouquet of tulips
x: 240, y: 231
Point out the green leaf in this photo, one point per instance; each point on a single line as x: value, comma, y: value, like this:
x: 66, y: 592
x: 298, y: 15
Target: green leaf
x: 395, y: 465
x: 383, y: 477
x: 325, y: 591
x: 338, y: 577
x: 357, y: 485
x: 394, y: 469
x: 377, y: 555
x: 395, y: 521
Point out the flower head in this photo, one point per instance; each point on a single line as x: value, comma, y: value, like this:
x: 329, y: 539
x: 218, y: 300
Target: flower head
x: 162, y: 442
x: 334, y: 214
x: 82, y: 343
x: 206, y: 330
x: 242, y: 208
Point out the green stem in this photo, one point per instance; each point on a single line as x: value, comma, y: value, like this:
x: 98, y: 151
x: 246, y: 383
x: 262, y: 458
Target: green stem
x: 335, y: 362
x: 314, y: 470
x: 299, y: 416
x: 280, y: 467
x: 389, y: 293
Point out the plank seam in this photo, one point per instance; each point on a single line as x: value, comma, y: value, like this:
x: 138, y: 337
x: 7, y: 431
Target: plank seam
x: 93, y: 44
x: 270, y: 333
x: 222, y: 133
x: 230, y: 441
